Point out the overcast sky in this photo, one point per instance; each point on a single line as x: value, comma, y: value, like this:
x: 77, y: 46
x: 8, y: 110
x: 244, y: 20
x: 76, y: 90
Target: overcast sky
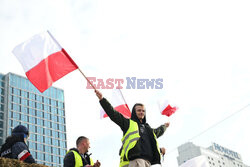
x: 199, y: 48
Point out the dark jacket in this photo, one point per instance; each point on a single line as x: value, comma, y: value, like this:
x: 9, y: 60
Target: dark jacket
x: 69, y: 159
x: 15, y: 148
x: 142, y: 148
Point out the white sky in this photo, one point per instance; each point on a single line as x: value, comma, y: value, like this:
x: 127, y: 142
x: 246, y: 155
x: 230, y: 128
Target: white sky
x: 199, y: 48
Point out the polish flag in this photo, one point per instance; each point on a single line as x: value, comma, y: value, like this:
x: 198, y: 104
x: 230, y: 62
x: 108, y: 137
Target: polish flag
x: 199, y: 161
x: 44, y: 60
x: 166, y: 108
x: 119, y: 104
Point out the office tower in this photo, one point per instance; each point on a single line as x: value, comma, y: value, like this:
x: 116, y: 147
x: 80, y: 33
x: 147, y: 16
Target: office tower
x: 42, y: 113
x: 216, y: 155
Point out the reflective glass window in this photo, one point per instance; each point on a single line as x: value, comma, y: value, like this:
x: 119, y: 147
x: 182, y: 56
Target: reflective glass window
x: 16, y: 107
x: 17, y: 91
x: 53, y: 110
x: 1, y: 107
x: 32, y: 96
x: 32, y: 137
x: 47, y: 101
x: 53, y: 103
x: 24, y: 117
x: 32, y: 128
x: 39, y: 98
x: 24, y: 110
x: 24, y: 94
x: 47, y: 141
x: 1, y: 91
x: 32, y: 120
x: 39, y: 105
x: 2, y: 99
x: 24, y: 102
x: 32, y: 104
x: 32, y: 112
x: 54, y: 118
x: 55, y: 150
x: 61, y: 112
x: 61, y: 105
x: 54, y: 135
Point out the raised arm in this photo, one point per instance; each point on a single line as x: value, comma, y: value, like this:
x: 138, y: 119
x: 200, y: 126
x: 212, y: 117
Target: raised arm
x: 161, y: 129
x: 115, y: 116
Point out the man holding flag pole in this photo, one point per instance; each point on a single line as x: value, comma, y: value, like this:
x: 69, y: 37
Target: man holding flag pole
x: 139, y: 142
x: 45, y: 61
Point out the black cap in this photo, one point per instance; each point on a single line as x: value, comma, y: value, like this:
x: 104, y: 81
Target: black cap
x: 20, y: 129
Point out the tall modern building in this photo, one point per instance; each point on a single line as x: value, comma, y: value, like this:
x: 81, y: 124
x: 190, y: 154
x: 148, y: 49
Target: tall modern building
x: 42, y: 113
x: 216, y: 155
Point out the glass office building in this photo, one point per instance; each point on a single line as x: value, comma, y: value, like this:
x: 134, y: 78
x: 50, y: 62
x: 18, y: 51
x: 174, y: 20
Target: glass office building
x: 42, y: 113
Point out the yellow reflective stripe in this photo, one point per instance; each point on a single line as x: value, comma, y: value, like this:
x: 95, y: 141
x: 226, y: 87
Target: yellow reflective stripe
x: 124, y: 164
x: 129, y: 140
x: 134, y: 139
x: 157, y: 145
x: 91, y: 161
x: 128, y: 135
x: 78, y: 158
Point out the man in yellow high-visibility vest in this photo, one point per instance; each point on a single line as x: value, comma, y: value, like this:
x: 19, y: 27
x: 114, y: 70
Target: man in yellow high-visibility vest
x: 139, y: 142
x: 79, y: 157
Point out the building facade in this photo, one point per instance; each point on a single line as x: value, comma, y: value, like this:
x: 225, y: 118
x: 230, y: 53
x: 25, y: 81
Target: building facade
x: 216, y: 155
x: 42, y: 113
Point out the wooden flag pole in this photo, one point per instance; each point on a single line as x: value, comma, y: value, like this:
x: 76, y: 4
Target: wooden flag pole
x: 87, y: 79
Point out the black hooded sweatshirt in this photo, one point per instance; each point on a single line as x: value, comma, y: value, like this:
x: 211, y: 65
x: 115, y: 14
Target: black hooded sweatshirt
x: 146, y: 147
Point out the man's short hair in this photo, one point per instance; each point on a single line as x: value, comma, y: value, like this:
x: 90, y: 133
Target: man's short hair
x: 137, y: 104
x: 80, y: 139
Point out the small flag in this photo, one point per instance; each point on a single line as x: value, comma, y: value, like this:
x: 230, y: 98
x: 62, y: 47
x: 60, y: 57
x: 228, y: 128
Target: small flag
x: 199, y: 161
x: 166, y: 108
x: 44, y: 60
x: 119, y: 104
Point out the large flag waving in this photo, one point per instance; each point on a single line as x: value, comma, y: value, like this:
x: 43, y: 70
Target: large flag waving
x: 199, y: 161
x: 119, y: 104
x: 44, y: 60
x: 166, y: 108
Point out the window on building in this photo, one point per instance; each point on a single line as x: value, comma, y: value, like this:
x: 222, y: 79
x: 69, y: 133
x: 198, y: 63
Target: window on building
x: 24, y: 118
x: 1, y: 107
x: 1, y: 115
x: 2, y: 99
x: 1, y: 91
x: 24, y: 110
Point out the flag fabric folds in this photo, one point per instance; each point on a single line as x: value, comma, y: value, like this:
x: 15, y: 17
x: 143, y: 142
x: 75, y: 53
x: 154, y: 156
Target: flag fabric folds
x: 166, y: 108
x: 44, y: 60
x: 119, y: 104
x: 199, y: 161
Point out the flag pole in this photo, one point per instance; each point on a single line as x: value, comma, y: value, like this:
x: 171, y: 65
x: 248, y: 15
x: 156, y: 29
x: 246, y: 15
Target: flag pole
x: 87, y: 79
x: 123, y: 98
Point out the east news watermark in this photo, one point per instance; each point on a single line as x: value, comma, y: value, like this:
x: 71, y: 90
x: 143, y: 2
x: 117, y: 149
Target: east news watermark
x: 127, y: 83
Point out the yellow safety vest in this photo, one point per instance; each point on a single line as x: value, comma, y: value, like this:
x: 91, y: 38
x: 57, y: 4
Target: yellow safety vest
x: 78, y: 159
x: 129, y: 140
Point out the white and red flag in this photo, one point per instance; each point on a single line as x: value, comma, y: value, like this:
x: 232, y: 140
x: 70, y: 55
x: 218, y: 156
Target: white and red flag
x: 199, y: 161
x: 166, y: 108
x: 44, y: 60
x: 119, y: 104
